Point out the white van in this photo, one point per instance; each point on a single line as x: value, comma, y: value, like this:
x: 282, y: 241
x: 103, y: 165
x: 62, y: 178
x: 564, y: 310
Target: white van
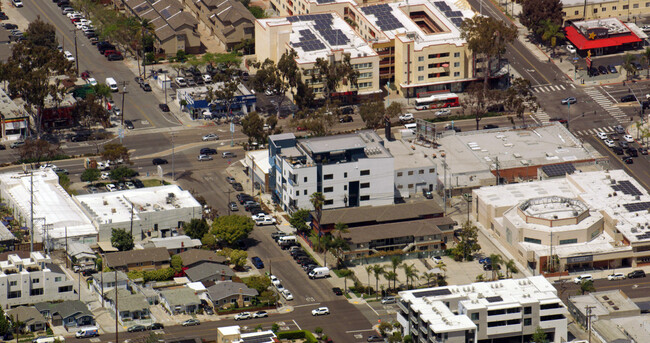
x: 90, y: 331
x: 112, y: 84
x: 319, y: 272
x: 287, y: 240
x: 49, y: 339
x: 411, y: 126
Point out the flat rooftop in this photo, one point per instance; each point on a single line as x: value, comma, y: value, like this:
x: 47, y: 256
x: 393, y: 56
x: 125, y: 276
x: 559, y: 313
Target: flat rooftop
x: 444, y: 19
x: 8, y: 108
x: 473, y: 155
x: 53, y: 206
x: 408, y: 156
x: 317, y: 35
x: 605, y: 303
x: 116, y: 206
x: 613, y: 25
x: 368, y: 141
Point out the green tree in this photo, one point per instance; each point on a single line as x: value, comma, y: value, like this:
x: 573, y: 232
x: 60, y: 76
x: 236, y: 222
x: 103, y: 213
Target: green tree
x: 495, y: 262
x: 225, y: 94
x: 64, y: 181
x: 340, y: 228
x: 467, y: 243
x: 272, y: 81
x: 587, y: 286
x: 230, y: 230
x: 253, y: 127
x: 646, y: 58
x: 628, y: 65
x: 317, y: 200
x: 176, y: 263
x: 99, y: 263
x: 121, y: 173
x: 428, y: 276
x: 539, y: 336
x: 346, y: 274
x: 115, y: 151
x: 332, y: 75
x: 520, y: 98
x: 90, y: 175
x: 318, y: 122
x: 534, y: 12
x: 181, y: 56
x: 511, y: 268
x: 238, y: 258
x: 209, y: 241
x: 121, y: 239
x: 395, y: 109
x: 5, y: 326
x: 377, y: 271
x: 551, y: 32
x: 38, y: 150
x: 299, y: 220
x: 368, y: 271
x: 196, y: 228
x: 153, y: 338
x: 257, y: 12
x: 411, y: 273
x: 258, y: 282
x: 391, y: 276
x: 372, y: 113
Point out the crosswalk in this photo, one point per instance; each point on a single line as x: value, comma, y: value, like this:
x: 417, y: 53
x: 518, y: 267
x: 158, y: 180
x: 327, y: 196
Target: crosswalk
x: 605, y: 103
x: 593, y: 131
x: 551, y: 88
x: 541, y: 116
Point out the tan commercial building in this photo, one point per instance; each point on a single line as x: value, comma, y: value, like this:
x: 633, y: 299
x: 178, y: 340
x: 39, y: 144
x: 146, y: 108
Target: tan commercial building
x: 173, y: 29
x: 229, y: 20
x: 598, y: 9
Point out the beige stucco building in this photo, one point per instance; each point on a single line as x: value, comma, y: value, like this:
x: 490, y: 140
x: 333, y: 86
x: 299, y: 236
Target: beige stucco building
x: 597, y: 9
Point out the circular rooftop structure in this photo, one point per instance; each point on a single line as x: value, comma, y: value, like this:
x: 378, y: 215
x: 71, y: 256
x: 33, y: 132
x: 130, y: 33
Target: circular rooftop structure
x: 553, y: 211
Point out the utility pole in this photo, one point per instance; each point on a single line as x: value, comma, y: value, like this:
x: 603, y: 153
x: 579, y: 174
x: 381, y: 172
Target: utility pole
x: 229, y: 191
x: 588, y: 310
x: 76, y: 54
x: 117, y: 311
x: 131, y: 219
x: 124, y: 83
x: 173, y: 178
x: 444, y: 183
x: 31, y: 211
x: 497, y: 169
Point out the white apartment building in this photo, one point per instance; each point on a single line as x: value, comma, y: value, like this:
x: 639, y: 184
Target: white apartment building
x: 483, y: 311
x: 32, y: 280
x: 349, y: 170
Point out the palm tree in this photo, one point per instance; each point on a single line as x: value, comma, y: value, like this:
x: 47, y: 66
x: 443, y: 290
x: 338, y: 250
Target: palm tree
x: 340, y: 228
x: 587, y: 286
x: 495, y: 261
x: 511, y: 267
x: 369, y: 270
x: 144, y: 28
x: 550, y: 33
x: 378, y: 271
x: 346, y: 273
x: 428, y: 276
x: 442, y: 266
x: 646, y: 59
x: 391, y: 276
x: 317, y: 200
x: 410, y: 273
x: 628, y: 65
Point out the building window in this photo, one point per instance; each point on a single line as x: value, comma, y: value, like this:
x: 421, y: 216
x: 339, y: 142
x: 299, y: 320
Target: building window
x: 626, y: 7
x: 456, y: 74
x: 576, y: 13
x: 305, y: 179
x: 421, y: 68
x: 421, y: 171
x: 532, y: 240
x: 410, y: 185
x: 595, y: 10
x: 399, y: 174
x: 551, y: 317
x: 456, y: 64
x: 400, y: 186
x: 646, y: 5
x: 475, y: 316
x: 528, y: 310
x: 328, y: 189
x: 37, y: 280
x: 568, y: 241
x: 345, y: 174
x: 36, y: 291
x: 57, y: 279
x: 420, y: 78
x: 304, y: 192
x: 604, y: 9
x: 456, y: 54
x: 528, y: 321
x: 365, y: 172
x: 634, y: 6
x: 365, y: 197
x: 365, y: 84
x: 432, y: 170
x: 345, y: 187
x: 328, y: 177
x: 365, y: 185
x: 13, y: 283
x: 421, y: 59
x: 410, y: 172
x: 13, y: 295
x: 329, y: 202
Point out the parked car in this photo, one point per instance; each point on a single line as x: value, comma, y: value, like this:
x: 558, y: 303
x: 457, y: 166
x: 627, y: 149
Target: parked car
x: 260, y: 314
x: 616, y: 276
x: 628, y: 98
x: 388, y: 300
x: 237, y: 186
x: 210, y: 137
x: 231, y: 179
x: 582, y: 278
x: 111, y: 187
x: 602, y: 70
x: 346, y: 119
x: 320, y: 311
x: 204, y: 158
x: 427, y: 194
x: 129, y: 124
x: 610, y: 143
x: 636, y: 274
x: 337, y: 291
x: 158, y: 161
x: 406, y: 117
x: 619, y: 129
x: 612, y: 69
x: 601, y: 135
x: 443, y: 112
x: 191, y: 322
x: 136, y: 328
x: 374, y: 338
x: 628, y: 160
x: 163, y: 107
x: 257, y: 262
x: 16, y: 144
x: 287, y: 294
x: 628, y: 138
x: 572, y: 49
x: 145, y: 87
x: 490, y: 126
x: 243, y: 316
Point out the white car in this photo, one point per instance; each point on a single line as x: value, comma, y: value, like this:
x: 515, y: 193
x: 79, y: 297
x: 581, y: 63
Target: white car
x: 572, y: 49
x: 287, y: 295
x: 645, y: 27
x: 629, y: 138
x: 259, y: 216
x: 436, y: 260
x: 443, y: 112
x: 584, y: 277
x: 274, y: 279
x: 68, y: 56
x: 406, y: 117
x: 111, y: 187
x: 206, y: 78
x: 74, y: 15
x: 47, y: 166
x: 91, y: 81
x: 17, y: 3
x: 181, y: 82
x: 210, y: 137
x: 602, y: 135
x: 105, y: 176
x: 610, y: 143
x: 320, y: 311
x: 243, y: 316
x: 267, y: 220
x: 616, y: 276
x: 103, y: 165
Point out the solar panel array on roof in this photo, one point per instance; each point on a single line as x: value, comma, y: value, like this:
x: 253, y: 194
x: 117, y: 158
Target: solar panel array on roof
x: 308, y: 41
x: 457, y: 21
x: 627, y: 188
x: 323, y: 24
x: 643, y: 236
x: 141, y: 8
x: 494, y: 299
x: 258, y: 338
x: 442, y: 6
x: 385, y: 18
x: 324, y: 1
x: 554, y: 170
x: 432, y: 292
x: 637, y: 206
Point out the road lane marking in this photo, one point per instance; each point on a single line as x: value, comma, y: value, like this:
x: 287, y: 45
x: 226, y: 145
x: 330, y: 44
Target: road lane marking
x: 305, y: 305
x: 294, y: 321
x: 364, y: 330
x: 525, y: 59
x: 373, y: 310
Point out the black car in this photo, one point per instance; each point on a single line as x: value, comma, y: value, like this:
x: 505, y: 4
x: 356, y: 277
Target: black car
x: 632, y: 152
x: 145, y: 87
x: 3, y: 16
x: 628, y: 160
x: 612, y: 69
x: 618, y: 150
x: 137, y: 183
x: 158, y: 161
x: 374, y: 338
x: 208, y: 151
x: 163, y: 107
x: 136, y: 328
x: 346, y: 119
x: 427, y: 194
x: 602, y: 70
x: 115, y: 57
x: 9, y: 26
x: 237, y: 186
x: 347, y: 110
x: 636, y: 274
x: 337, y: 291
x: 593, y: 71
x: 628, y: 98
x: 129, y: 124
x: 243, y: 197
x: 155, y: 326
x: 490, y: 126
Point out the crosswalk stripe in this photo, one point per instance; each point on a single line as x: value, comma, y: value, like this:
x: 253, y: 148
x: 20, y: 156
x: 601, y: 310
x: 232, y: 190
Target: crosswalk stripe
x: 572, y: 85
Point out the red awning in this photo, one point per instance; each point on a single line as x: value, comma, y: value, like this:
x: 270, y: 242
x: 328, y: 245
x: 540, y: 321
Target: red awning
x: 582, y: 43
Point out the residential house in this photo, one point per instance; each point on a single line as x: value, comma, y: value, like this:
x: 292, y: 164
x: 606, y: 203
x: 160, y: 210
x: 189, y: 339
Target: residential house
x: 71, y: 313
x: 180, y: 300
x: 32, y: 320
x: 175, y: 244
x: 209, y: 271
x: 81, y: 256
x: 14, y: 121
x: 224, y: 294
x: 31, y: 280
x: 130, y: 306
x: 229, y: 20
x: 104, y: 282
x: 173, y: 30
x: 144, y: 259
x: 195, y: 256
x: 227, y: 334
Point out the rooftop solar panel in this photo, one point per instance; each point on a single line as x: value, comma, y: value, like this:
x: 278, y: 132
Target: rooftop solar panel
x: 637, y: 206
x: 432, y: 292
x: 554, y: 170
x: 494, y: 299
x: 627, y: 188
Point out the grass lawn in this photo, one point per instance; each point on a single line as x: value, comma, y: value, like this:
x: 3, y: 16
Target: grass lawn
x: 152, y: 182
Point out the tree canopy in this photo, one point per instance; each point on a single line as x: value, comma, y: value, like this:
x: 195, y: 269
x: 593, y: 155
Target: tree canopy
x: 122, y: 240
x: 196, y: 228
x: 230, y: 230
x: 467, y: 244
x: 115, y: 152
x: 299, y: 220
x: 253, y: 127
x: 533, y: 12
x: 90, y: 175
x: 121, y: 173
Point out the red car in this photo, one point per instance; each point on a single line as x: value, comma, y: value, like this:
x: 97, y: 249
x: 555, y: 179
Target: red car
x: 85, y: 75
x: 299, y: 128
